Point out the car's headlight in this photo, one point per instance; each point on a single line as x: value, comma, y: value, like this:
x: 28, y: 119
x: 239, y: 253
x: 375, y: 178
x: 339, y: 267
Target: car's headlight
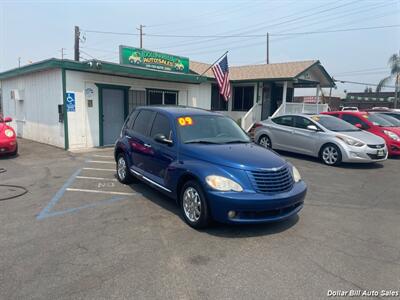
x: 392, y: 135
x: 296, y: 174
x: 9, y: 133
x: 223, y: 184
x: 350, y: 141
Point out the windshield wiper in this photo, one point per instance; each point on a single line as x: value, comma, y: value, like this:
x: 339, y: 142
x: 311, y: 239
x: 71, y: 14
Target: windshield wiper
x: 237, y: 142
x: 199, y: 142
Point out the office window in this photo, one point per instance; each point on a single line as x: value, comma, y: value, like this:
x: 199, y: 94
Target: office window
x: 243, y: 98
x: 217, y: 100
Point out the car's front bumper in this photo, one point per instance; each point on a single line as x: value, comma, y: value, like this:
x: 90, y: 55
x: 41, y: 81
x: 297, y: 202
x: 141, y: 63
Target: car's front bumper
x: 251, y: 207
x: 363, y: 154
x: 394, y: 148
x: 8, y: 146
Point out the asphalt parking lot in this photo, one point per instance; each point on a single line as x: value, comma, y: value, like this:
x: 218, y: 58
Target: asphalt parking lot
x: 78, y: 233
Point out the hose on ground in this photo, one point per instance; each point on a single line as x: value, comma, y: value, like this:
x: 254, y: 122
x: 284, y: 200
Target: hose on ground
x: 22, y: 190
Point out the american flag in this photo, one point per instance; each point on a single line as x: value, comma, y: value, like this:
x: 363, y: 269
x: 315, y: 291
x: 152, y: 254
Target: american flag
x: 221, y: 73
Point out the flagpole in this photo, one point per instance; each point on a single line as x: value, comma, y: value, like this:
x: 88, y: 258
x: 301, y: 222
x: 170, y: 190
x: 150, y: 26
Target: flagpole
x: 213, y: 64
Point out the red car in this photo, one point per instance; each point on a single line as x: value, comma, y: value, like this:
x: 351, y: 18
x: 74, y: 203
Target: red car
x: 375, y: 124
x: 8, y: 138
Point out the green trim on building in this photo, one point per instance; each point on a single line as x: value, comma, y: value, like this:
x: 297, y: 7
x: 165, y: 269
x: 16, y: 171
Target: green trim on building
x: 102, y: 86
x: 106, y: 68
x: 65, y: 113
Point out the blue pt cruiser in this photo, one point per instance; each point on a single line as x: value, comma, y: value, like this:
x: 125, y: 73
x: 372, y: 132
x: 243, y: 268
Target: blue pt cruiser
x: 208, y: 164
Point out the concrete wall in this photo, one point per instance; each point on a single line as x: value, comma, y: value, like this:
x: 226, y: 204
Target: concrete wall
x: 36, y: 117
x: 84, y: 122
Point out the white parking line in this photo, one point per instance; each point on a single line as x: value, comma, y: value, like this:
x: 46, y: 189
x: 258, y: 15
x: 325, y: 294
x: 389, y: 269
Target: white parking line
x: 100, y: 192
x: 104, y: 156
x: 101, y: 162
x: 96, y: 178
x: 97, y: 169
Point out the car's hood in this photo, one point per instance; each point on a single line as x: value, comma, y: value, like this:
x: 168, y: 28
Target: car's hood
x: 2, y: 126
x: 364, y: 136
x: 241, y: 156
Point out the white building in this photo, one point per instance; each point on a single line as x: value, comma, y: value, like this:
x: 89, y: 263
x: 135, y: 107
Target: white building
x: 76, y: 105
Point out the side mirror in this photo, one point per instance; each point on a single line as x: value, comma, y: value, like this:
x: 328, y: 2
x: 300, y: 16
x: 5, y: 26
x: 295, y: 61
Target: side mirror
x: 7, y: 120
x: 358, y: 125
x: 160, y: 138
x: 312, y: 127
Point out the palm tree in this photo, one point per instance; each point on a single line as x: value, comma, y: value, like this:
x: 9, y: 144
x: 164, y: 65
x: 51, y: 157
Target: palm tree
x: 394, y: 64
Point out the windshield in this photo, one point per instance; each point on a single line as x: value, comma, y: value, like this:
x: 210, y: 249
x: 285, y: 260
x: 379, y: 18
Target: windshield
x: 394, y: 121
x: 334, y: 124
x: 210, y: 130
x: 378, y: 120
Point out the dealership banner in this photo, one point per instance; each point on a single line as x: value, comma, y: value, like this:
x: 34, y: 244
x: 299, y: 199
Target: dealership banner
x: 154, y: 60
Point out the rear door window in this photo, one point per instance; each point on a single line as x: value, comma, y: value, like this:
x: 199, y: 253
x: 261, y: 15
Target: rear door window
x: 162, y: 126
x: 284, y: 120
x: 143, y: 122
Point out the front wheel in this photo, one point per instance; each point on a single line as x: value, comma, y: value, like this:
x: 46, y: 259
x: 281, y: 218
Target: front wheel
x: 331, y: 155
x: 194, y: 205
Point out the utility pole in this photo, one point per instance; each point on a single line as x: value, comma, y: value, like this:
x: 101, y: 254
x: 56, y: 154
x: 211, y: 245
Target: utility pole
x: 267, y: 47
x: 19, y: 62
x: 62, y: 53
x: 76, y: 44
x: 141, y: 34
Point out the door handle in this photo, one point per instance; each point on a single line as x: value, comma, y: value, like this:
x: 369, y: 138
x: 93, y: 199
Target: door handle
x: 147, y: 145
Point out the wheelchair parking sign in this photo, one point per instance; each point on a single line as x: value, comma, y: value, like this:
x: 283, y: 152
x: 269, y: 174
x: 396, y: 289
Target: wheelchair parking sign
x: 70, y: 102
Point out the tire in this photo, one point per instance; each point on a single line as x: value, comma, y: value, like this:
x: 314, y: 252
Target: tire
x: 265, y: 141
x: 123, y: 174
x: 331, y: 155
x: 192, y: 196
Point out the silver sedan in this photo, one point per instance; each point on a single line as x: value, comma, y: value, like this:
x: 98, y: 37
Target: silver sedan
x: 329, y: 138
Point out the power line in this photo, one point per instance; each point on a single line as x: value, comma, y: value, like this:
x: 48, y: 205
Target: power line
x: 247, y: 35
x: 361, y: 83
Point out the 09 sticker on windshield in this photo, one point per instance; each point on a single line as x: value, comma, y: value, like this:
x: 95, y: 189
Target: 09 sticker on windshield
x: 185, y: 121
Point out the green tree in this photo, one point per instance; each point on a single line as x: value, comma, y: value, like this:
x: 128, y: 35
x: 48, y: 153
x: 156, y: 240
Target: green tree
x: 394, y: 64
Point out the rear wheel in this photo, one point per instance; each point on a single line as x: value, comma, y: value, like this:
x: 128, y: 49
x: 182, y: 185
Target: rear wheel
x: 123, y: 174
x: 194, y: 205
x: 265, y: 141
x: 331, y: 155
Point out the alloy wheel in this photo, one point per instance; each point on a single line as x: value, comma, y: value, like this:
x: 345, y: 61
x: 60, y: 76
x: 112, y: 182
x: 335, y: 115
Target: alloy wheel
x: 330, y: 155
x: 121, y: 168
x: 265, y: 142
x: 192, y: 204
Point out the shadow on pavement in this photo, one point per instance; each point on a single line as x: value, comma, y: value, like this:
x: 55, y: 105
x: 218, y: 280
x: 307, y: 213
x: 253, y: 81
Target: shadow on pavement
x: 216, y: 229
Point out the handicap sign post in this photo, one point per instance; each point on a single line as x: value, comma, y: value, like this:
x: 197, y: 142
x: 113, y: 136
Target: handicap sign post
x: 70, y: 102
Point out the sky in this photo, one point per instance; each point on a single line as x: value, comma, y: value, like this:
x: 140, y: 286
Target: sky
x: 37, y: 30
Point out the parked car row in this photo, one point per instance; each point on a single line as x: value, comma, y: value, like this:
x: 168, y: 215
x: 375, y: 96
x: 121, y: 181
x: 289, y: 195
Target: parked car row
x: 334, y: 137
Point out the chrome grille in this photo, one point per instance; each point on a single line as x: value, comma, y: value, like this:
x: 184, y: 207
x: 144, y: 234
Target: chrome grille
x: 271, y: 181
x: 379, y: 146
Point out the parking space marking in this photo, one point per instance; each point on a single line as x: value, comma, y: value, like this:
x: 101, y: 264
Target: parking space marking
x: 97, y: 169
x: 74, y: 209
x: 100, y: 192
x: 57, y: 196
x: 96, y: 178
x: 100, y: 162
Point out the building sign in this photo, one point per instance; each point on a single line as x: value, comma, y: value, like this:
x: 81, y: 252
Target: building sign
x: 153, y: 60
x: 70, y: 102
